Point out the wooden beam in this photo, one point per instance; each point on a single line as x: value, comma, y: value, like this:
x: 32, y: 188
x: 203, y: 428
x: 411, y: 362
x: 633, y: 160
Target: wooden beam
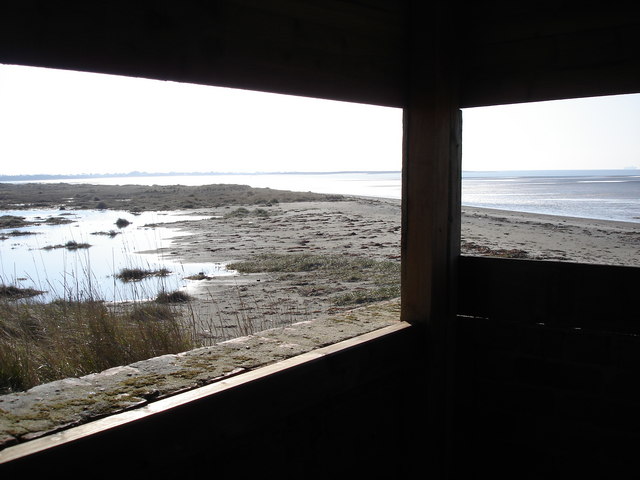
x: 526, y: 52
x: 431, y: 212
x: 333, y: 49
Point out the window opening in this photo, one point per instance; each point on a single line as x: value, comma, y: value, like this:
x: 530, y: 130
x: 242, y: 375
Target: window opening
x: 556, y: 180
x: 173, y: 216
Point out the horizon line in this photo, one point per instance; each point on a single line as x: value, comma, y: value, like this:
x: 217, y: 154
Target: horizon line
x: 168, y: 174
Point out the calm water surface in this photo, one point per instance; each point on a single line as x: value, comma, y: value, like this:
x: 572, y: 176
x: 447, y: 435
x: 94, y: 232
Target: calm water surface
x: 26, y: 261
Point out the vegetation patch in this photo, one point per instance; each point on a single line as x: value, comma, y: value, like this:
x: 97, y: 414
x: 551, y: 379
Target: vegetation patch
x: 177, y: 296
x: 376, y: 280
x: 122, y: 222
x: 70, y: 245
x: 12, y: 221
x: 199, y: 276
x: 13, y: 292
x: 57, y: 221
x: 137, y: 274
x: 242, y: 212
x: 16, y: 233
x: 360, y: 297
x: 110, y: 233
x: 43, y: 342
x: 475, y: 249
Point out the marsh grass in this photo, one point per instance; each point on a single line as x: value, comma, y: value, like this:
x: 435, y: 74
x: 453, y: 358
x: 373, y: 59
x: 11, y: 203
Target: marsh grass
x: 137, y: 274
x: 377, y: 279
x: 177, y: 296
x: 12, y: 221
x: 13, y: 292
x: 42, y: 342
x: 242, y: 212
x: 74, y: 336
x: 247, y: 316
x: 70, y: 245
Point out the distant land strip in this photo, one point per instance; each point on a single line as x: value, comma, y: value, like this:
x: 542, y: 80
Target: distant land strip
x: 36, y: 177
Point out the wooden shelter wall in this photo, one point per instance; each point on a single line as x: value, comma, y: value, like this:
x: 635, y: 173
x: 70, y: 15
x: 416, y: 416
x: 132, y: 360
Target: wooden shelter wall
x: 559, y: 294
x: 338, y: 49
x: 537, y: 401
x: 534, y: 51
x: 347, y: 413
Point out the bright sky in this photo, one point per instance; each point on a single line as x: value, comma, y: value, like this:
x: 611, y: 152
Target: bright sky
x: 60, y: 122
x: 576, y: 134
x: 54, y: 121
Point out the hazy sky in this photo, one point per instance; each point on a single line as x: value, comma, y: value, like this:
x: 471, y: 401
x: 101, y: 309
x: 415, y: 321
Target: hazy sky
x: 590, y: 133
x: 71, y: 122
x: 54, y: 121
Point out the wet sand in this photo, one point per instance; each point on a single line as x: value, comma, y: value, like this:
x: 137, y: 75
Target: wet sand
x: 547, y: 237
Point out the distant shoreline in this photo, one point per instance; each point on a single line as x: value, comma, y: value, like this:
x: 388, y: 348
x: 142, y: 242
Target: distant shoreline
x: 465, y: 174
x: 137, y: 198
x: 88, y: 176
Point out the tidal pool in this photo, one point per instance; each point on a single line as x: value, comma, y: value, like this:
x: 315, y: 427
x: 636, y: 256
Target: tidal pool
x: 77, y: 254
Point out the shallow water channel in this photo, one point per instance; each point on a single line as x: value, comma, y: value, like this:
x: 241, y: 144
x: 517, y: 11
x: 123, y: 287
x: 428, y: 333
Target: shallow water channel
x: 39, y: 256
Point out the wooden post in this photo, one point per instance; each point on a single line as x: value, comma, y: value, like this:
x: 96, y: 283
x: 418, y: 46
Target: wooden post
x: 431, y: 215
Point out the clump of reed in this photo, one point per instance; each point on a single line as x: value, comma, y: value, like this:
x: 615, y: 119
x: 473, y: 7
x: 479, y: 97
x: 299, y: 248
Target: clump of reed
x: 137, y: 274
x: 42, y: 342
x: 13, y: 292
x: 70, y: 245
x: 12, y: 221
x: 122, y: 222
x: 177, y: 296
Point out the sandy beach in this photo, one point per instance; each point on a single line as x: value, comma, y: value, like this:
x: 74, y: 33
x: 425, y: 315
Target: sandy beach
x: 369, y: 228
x: 547, y: 237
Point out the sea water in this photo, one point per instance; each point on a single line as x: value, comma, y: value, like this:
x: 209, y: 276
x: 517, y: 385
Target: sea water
x: 604, y: 194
